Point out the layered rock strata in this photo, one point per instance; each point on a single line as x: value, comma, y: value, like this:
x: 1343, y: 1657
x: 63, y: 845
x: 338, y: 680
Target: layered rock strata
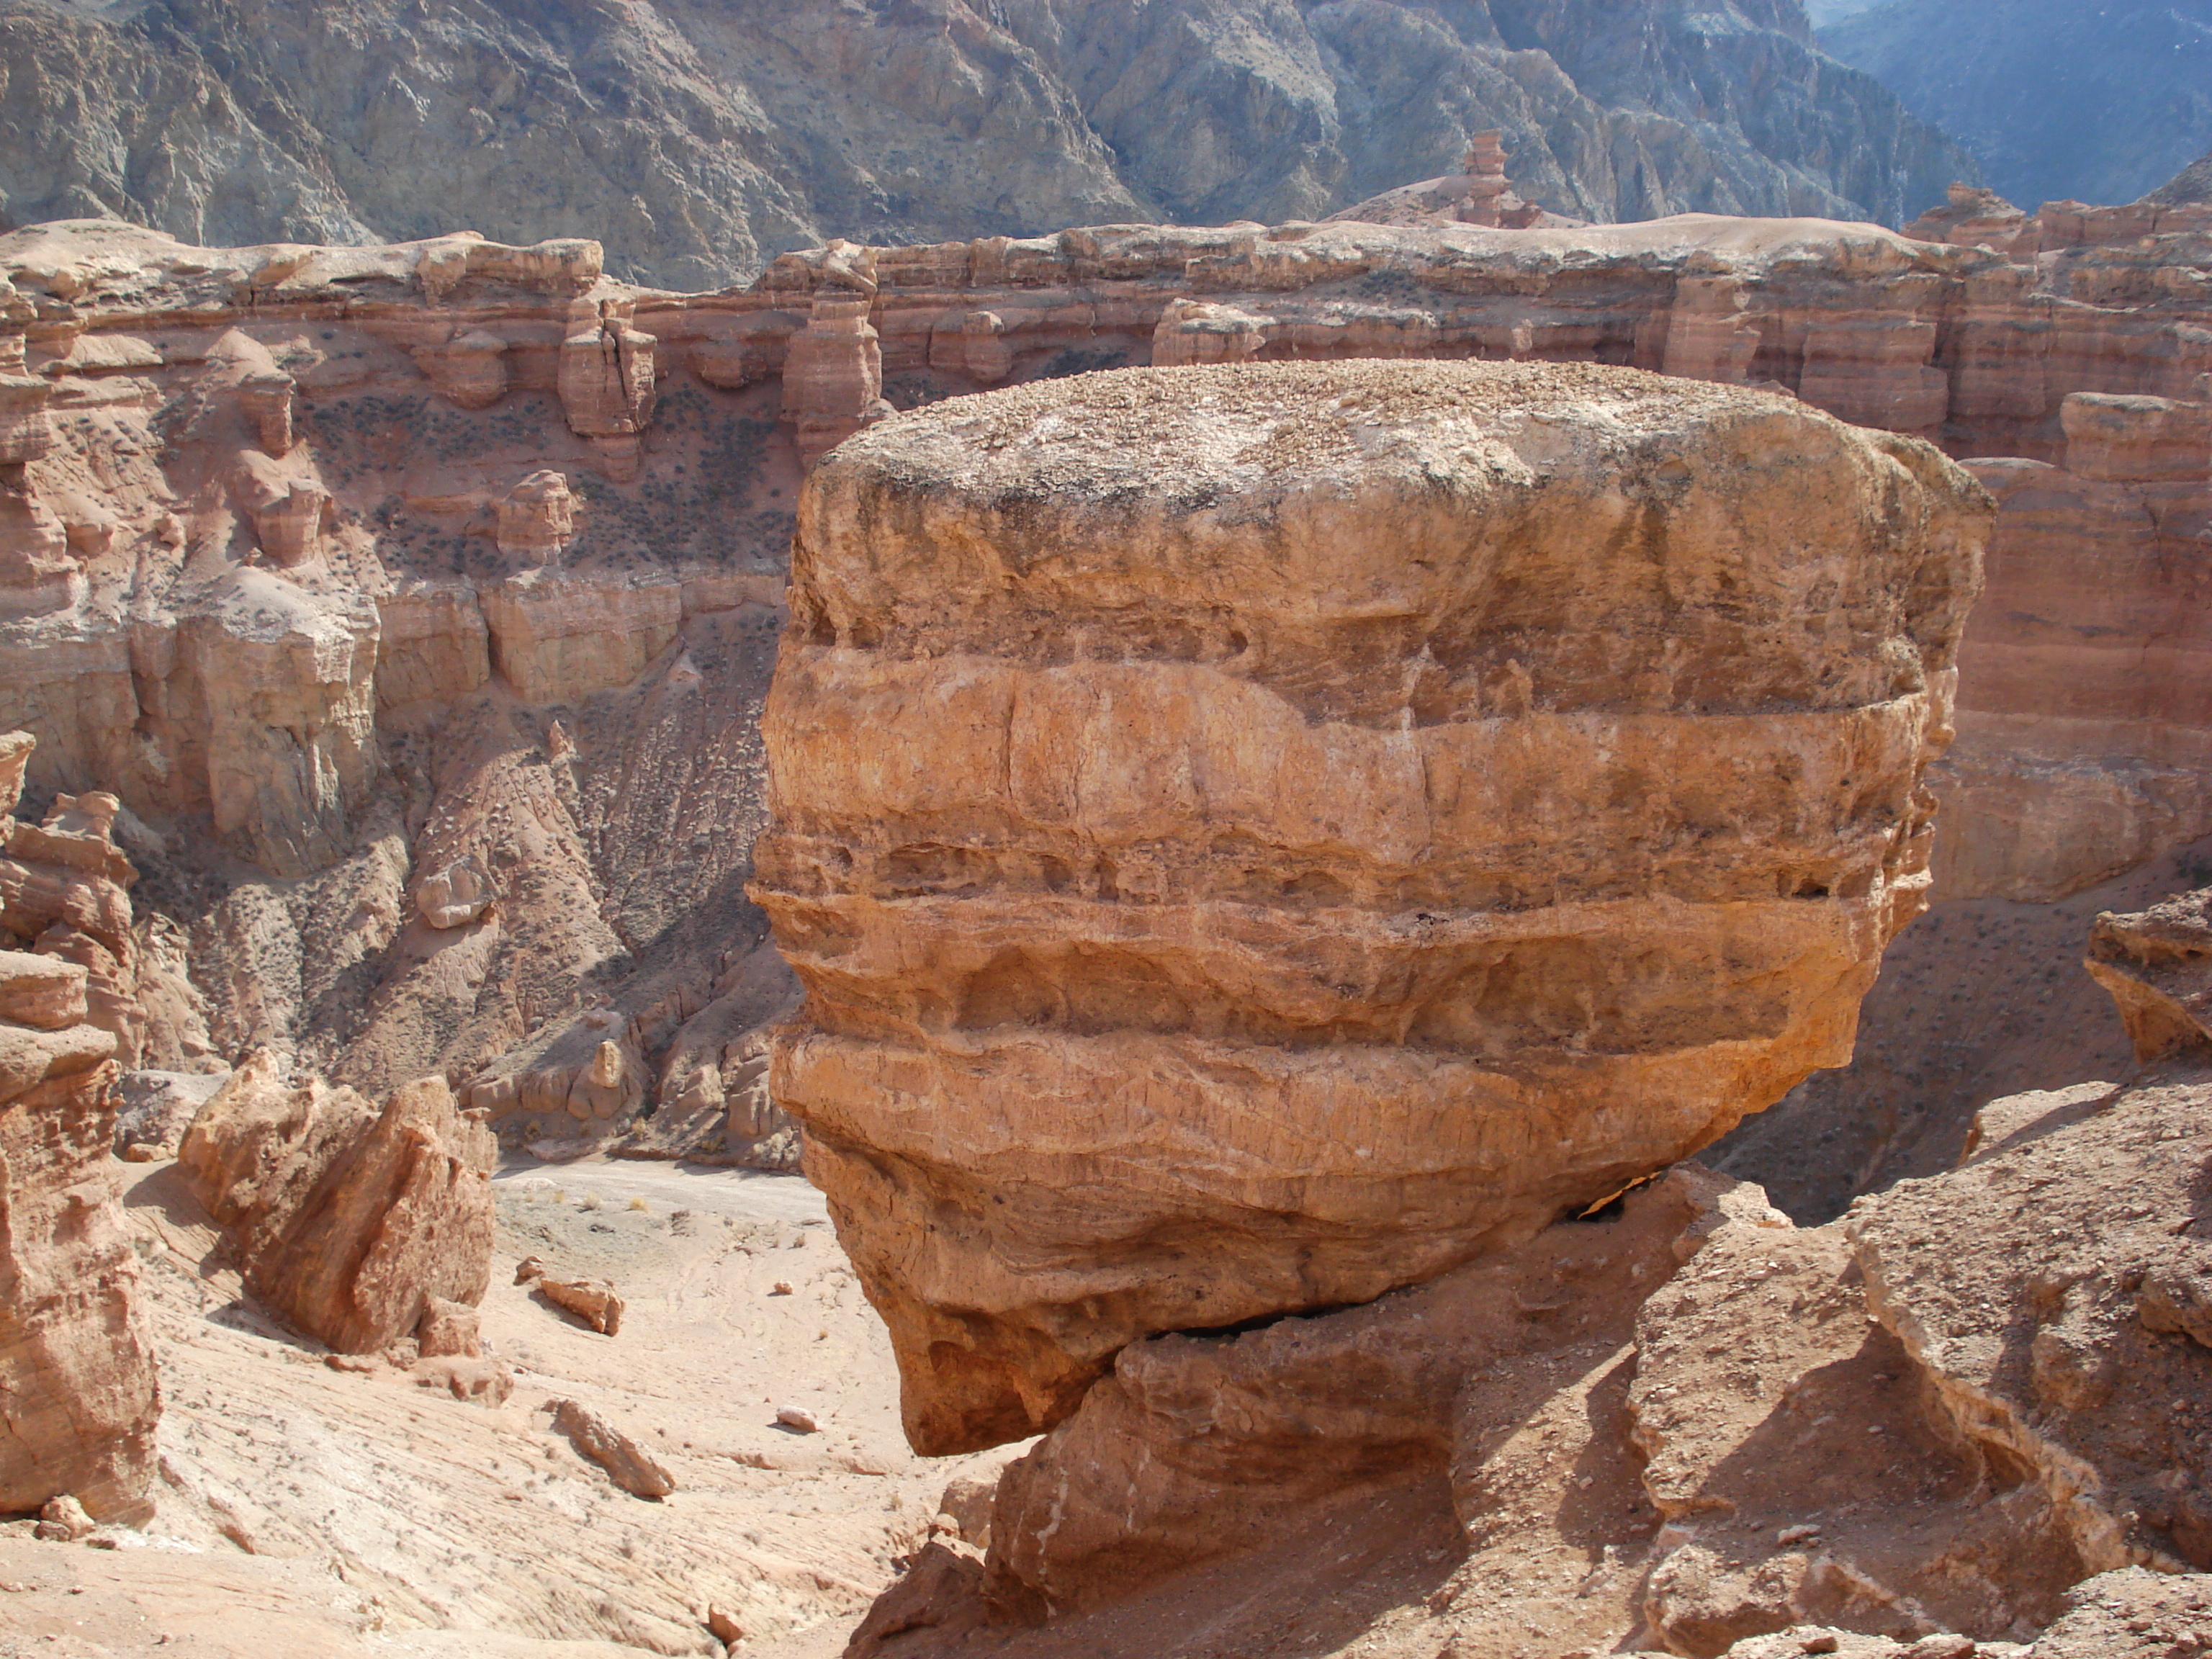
x: 295, y: 583
x: 351, y: 1223
x: 2157, y: 964
x: 78, y: 1393
x: 1248, y: 835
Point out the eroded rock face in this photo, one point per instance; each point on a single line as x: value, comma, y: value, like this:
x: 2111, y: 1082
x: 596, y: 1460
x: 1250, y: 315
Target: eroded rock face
x: 347, y: 1222
x: 2053, y: 1289
x: 2158, y: 966
x: 1254, y: 837
x: 78, y: 1397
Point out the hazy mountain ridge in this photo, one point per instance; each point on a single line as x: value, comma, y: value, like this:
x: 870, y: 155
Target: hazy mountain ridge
x: 2057, y: 99
x: 697, y: 140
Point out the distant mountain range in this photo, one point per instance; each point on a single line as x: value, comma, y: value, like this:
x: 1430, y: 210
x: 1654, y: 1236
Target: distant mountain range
x: 2100, y: 100
x: 697, y: 138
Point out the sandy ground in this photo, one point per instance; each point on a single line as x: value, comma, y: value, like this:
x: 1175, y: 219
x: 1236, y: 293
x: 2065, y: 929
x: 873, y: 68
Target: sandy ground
x: 306, y: 1511
x: 746, y: 1194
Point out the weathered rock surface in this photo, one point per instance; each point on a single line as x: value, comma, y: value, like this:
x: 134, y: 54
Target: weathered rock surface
x: 347, y: 1222
x: 2046, y: 1288
x: 78, y: 1395
x: 1670, y: 1428
x: 627, y: 1464
x: 701, y: 142
x: 1174, y: 882
x: 2158, y: 967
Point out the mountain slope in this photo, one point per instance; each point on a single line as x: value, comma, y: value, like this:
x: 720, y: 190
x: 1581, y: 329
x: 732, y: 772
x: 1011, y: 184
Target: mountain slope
x: 2056, y: 99
x: 699, y: 137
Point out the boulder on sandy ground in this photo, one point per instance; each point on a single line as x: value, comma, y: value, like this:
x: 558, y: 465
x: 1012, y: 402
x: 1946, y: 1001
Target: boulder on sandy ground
x: 1245, y: 833
x: 627, y: 1464
x: 346, y: 1220
x: 594, y: 1301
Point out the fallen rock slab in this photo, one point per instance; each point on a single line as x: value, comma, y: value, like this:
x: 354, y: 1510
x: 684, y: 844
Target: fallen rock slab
x: 628, y: 1465
x: 348, y: 1220
x: 594, y: 1301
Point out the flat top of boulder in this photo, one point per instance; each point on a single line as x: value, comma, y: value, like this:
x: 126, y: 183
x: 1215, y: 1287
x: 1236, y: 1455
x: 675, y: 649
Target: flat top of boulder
x: 1183, y: 436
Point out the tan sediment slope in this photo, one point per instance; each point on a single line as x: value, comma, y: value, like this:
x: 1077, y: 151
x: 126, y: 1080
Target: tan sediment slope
x: 1254, y: 837
x: 303, y: 1509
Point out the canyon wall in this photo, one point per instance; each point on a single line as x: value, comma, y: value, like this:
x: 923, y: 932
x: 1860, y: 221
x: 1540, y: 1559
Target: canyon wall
x: 78, y: 1389
x: 417, y: 603
x: 700, y: 141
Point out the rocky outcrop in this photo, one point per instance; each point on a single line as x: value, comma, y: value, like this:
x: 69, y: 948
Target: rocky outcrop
x: 1063, y: 820
x: 2158, y: 967
x: 1480, y: 193
x: 77, y: 1387
x: 538, y: 517
x: 347, y: 1222
x: 2051, y: 1290
x: 701, y: 142
x: 1668, y: 1427
x: 833, y: 375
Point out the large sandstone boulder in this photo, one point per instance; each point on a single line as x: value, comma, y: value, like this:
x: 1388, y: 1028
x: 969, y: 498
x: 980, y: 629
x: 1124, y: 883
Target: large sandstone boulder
x: 1253, y: 837
x: 348, y: 1222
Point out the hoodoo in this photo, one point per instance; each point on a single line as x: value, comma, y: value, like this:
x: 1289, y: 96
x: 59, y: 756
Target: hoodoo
x: 1254, y: 837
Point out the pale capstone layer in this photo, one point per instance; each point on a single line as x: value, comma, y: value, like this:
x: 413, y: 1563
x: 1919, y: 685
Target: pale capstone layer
x: 1254, y: 837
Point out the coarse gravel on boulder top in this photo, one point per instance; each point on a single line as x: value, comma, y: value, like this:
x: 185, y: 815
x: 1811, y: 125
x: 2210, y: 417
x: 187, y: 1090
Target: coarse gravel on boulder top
x: 1228, y: 425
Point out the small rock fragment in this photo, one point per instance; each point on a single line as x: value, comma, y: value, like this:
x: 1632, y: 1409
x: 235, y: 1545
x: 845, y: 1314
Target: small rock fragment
x: 62, y: 1521
x: 1797, y: 1534
x: 967, y: 1501
x: 485, y: 1381
x: 626, y: 1463
x: 724, y: 1628
x: 592, y: 1300
x: 532, y: 1267
x: 449, y: 1328
x: 795, y: 1417
x: 782, y: 1287
x: 2174, y: 1298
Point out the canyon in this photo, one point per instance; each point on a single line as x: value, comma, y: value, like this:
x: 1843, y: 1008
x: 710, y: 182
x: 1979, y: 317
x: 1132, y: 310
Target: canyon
x: 401, y: 620
x: 700, y: 141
